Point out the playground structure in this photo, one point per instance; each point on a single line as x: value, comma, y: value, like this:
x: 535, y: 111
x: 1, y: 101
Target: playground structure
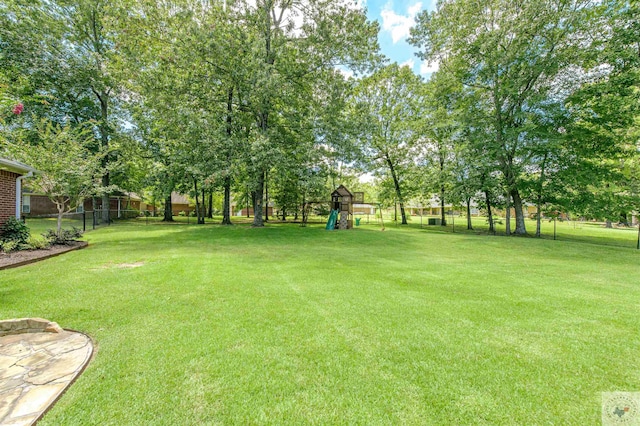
x: 341, y: 208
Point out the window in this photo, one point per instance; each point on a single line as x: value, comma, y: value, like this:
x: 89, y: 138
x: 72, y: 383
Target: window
x: 26, y: 204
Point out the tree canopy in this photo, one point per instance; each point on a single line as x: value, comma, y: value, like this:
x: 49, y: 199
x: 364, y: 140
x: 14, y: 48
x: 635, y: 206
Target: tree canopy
x: 535, y: 103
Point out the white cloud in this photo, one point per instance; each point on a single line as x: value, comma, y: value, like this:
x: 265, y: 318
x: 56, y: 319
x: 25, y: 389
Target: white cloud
x: 347, y: 73
x: 414, y: 10
x: 399, y: 25
x: 408, y: 63
x: 427, y: 67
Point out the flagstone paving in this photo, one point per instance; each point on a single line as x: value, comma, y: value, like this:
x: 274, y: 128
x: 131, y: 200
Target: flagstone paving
x: 36, y: 366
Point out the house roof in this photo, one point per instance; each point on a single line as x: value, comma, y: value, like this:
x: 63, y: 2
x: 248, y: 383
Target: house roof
x: 131, y: 195
x: 15, y: 166
x: 179, y: 198
x: 342, y: 191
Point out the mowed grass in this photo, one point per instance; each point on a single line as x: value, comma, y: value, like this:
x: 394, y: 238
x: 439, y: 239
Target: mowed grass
x: 289, y: 325
x: 574, y: 230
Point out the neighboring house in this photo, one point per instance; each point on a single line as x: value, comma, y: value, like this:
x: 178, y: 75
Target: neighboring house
x: 433, y: 208
x: 243, y: 212
x: 240, y: 210
x: 179, y: 203
x: 361, y: 209
x: 11, y: 175
x: 35, y: 204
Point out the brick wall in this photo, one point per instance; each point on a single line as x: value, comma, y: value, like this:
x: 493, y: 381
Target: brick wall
x: 7, y: 195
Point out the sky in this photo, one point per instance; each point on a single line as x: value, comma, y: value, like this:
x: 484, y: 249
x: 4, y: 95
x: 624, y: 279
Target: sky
x: 396, y: 17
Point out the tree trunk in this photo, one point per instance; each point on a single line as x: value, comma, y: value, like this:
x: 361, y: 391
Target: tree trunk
x: 396, y: 184
x: 469, y: 225
x: 226, y: 204
x: 94, y: 206
x: 258, y: 207
x: 195, y: 185
x: 266, y: 196
x: 199, y: 207
x: 60, y: 207
x: 168, y: 210
x: 538, y: 217
x: 103, y: 97
x: 263, y: 119
x: 507, y: 227
x: 443, y: 217
x: 204, y: 207
x: 507, y: 169
x: 210, y: 209
x: 488, y: 201
x: 521, y: 228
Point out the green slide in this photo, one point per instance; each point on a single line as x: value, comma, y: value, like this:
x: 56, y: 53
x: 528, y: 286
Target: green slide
x: 331, y: 223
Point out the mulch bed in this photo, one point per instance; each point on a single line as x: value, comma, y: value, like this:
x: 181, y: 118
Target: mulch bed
x: 25, y: 257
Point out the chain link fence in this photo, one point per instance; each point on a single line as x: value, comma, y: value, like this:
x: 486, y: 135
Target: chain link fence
x: 86, y: 220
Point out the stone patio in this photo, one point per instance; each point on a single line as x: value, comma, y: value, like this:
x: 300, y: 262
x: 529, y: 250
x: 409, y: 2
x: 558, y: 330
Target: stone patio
x: 38, y: 361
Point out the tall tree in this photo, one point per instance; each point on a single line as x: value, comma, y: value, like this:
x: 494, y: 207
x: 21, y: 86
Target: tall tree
x: 509, y: 52
x: 605, y: 113
x: 76, y: 78
x: 297, y: 42
x: 439, y: 128
x: 385, y: 106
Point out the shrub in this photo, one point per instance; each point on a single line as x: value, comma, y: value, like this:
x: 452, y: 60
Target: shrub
x: 36, y: 242
x: 14, y: 230
x: 66, y: 237
x: 9, y: 246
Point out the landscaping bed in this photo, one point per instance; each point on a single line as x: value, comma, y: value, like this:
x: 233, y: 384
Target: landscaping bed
x: 24, y: 257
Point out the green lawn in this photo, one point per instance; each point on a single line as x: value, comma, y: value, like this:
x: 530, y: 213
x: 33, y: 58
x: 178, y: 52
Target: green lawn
x: 38, y: 226
x: 588, y: 232
x: 290, y: 325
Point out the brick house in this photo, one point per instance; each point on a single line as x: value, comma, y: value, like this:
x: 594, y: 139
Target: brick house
x: 36, y: 204
x: 11, y: 176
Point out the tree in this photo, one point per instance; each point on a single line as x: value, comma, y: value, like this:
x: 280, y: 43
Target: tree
x: 68, y: 170
x: 297, y: 43
x: 385, y: 107
x: 67, y: 51
x: 439, y: 129
x: 605, y: 117
x: 509, y: 53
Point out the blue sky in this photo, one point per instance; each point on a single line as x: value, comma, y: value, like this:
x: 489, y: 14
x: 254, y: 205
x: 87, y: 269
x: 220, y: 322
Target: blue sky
x: 395, y: 18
